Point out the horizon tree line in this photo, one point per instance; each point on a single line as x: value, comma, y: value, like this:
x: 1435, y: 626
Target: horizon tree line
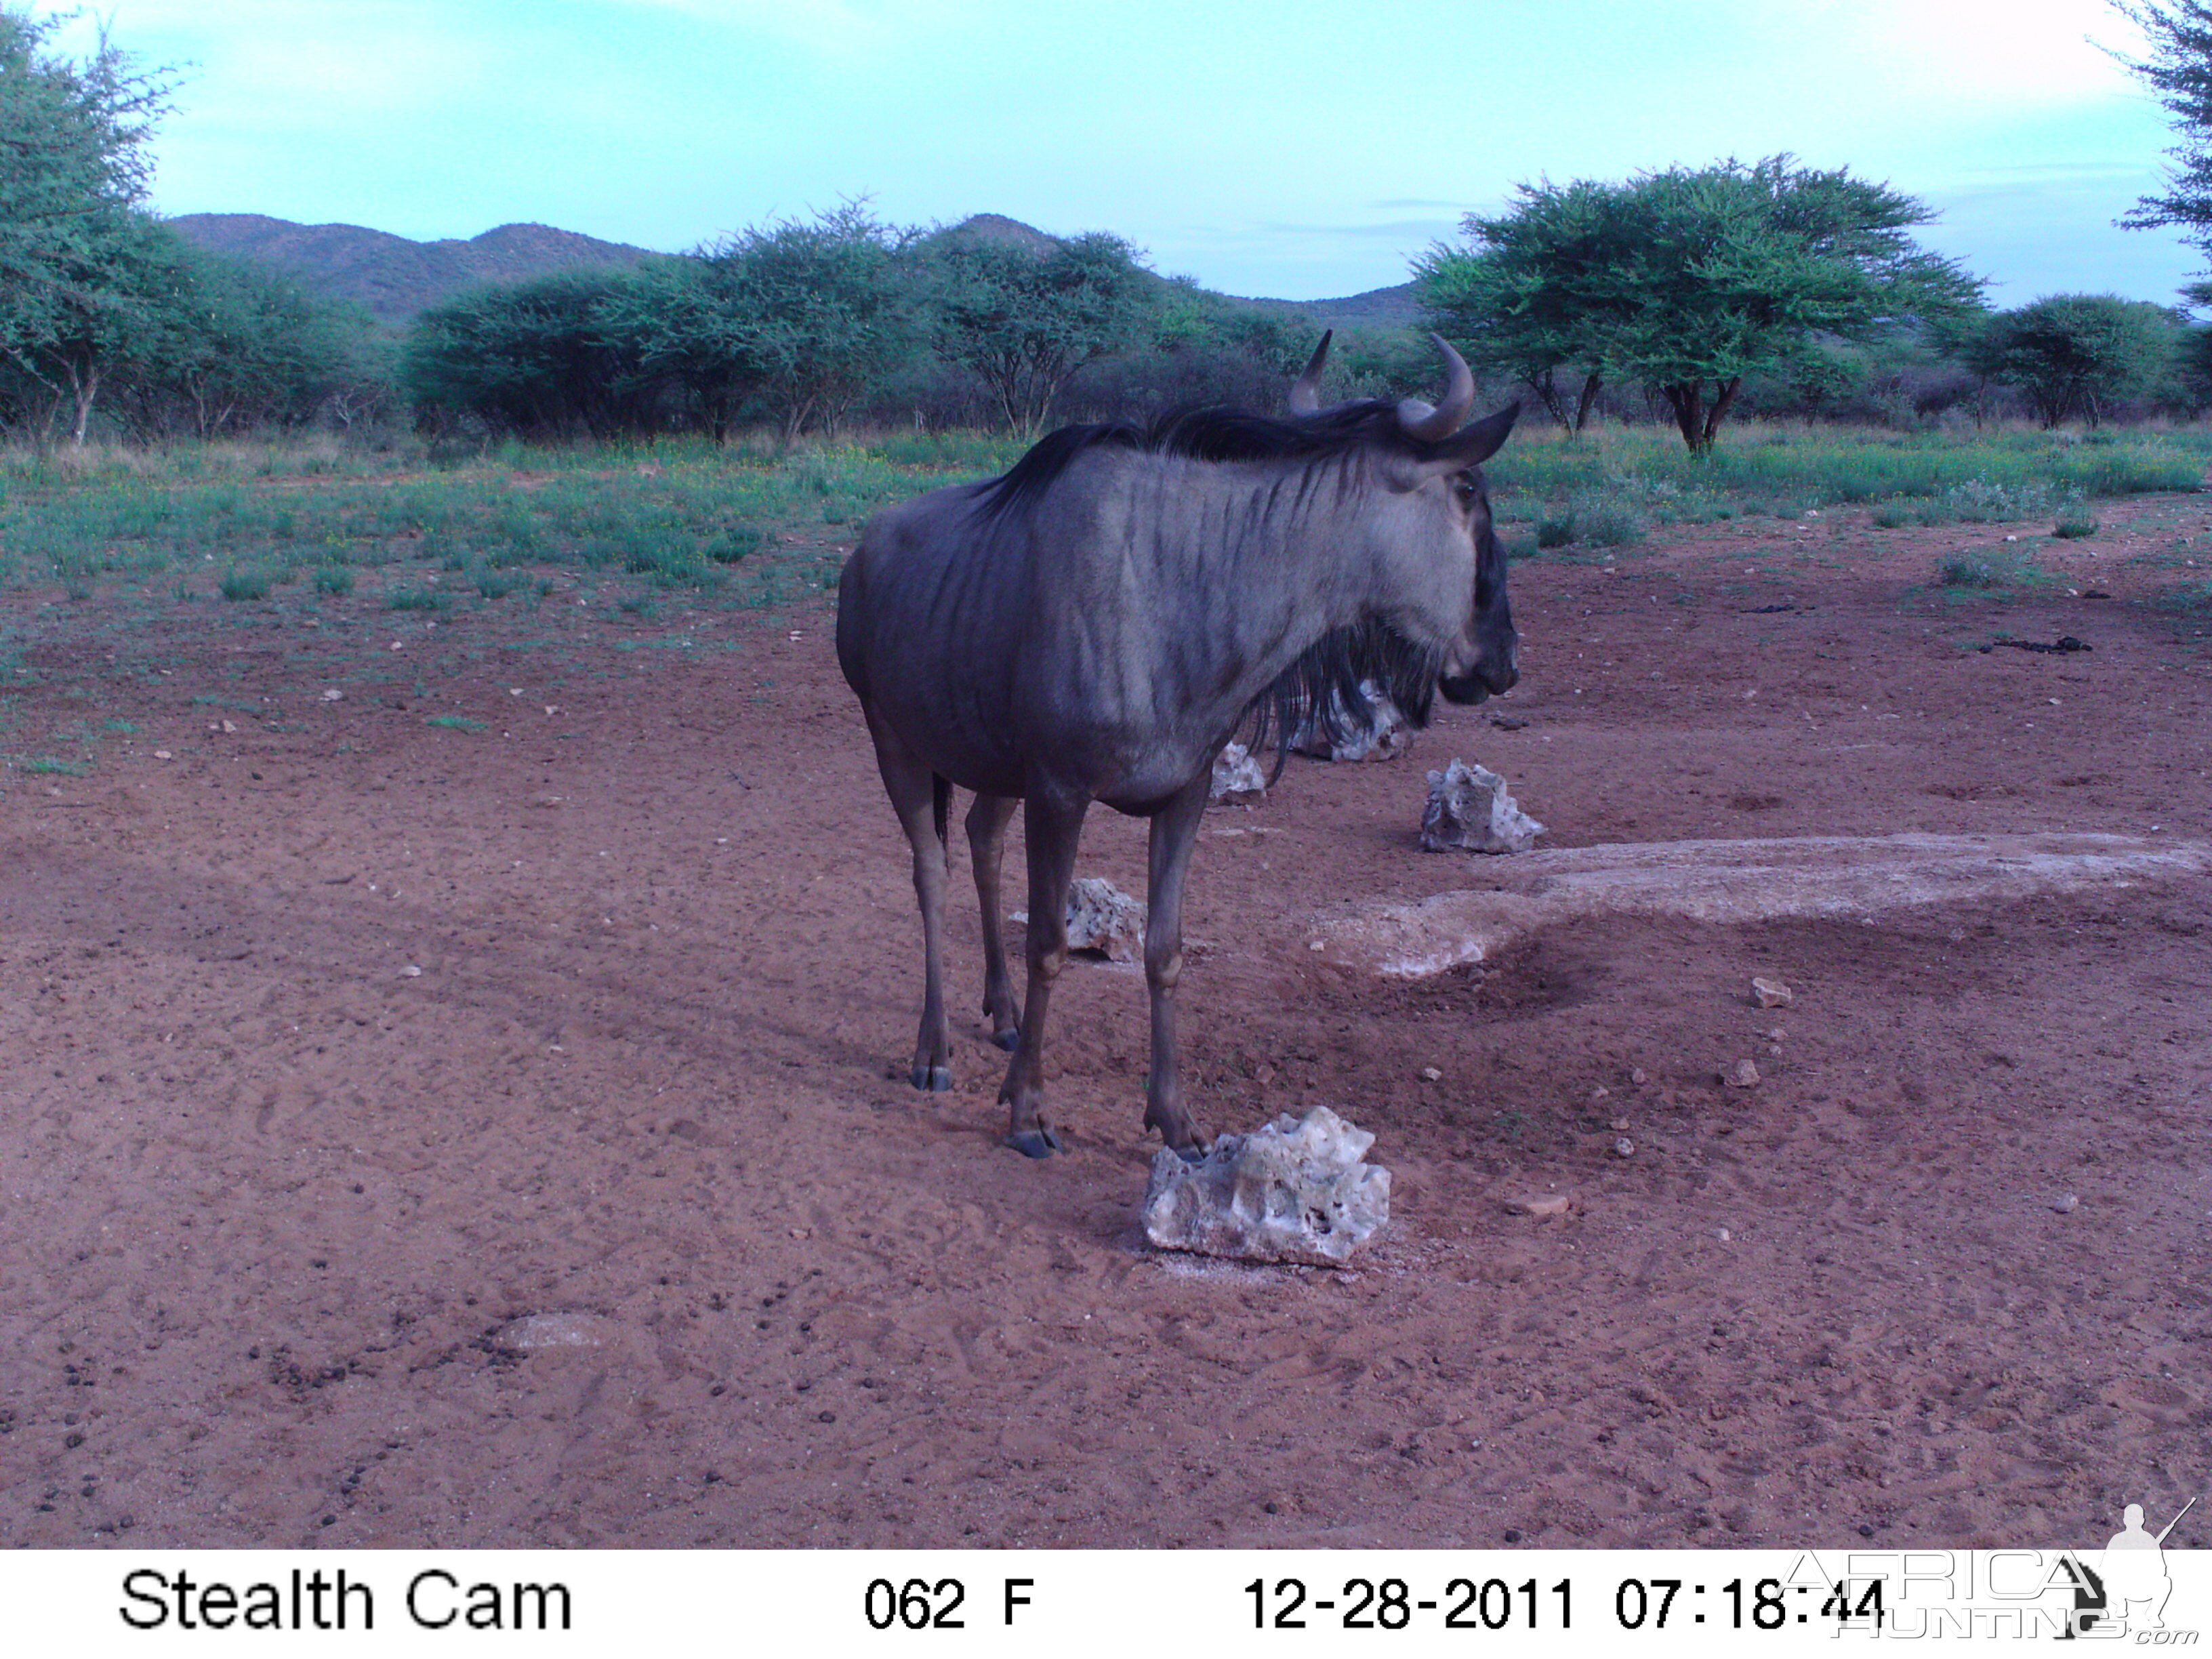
x: 1683, y: 294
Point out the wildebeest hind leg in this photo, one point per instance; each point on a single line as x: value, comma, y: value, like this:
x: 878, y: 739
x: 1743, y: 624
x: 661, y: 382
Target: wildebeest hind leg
x: 919, y: 798
x: 1051, y: 828
x: 987, y: 842
x: 1175, y: 831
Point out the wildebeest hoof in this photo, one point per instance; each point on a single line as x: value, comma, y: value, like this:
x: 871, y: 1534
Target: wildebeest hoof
x: 1007, y: 1040
x: 1040, y: 1142
x: 1194, y: 1153
x: 935, y: 1078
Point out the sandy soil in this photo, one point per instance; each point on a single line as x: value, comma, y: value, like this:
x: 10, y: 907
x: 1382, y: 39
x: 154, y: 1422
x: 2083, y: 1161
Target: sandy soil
x: 270, y: 1194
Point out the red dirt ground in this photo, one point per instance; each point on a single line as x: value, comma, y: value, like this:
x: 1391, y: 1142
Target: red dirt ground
x: 267, y: 1196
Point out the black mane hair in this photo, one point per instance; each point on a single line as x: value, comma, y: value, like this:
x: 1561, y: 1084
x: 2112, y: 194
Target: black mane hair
x: 1200, y: 435
x: 1324, y: 692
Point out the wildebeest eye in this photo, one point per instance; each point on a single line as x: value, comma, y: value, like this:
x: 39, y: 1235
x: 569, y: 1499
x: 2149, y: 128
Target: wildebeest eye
x: 1469, y: 491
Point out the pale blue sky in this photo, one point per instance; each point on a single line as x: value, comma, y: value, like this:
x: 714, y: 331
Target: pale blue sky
x: 1287, y: 149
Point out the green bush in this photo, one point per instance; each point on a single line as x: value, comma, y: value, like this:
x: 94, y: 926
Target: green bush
x: 245, y: 585
x: 2075, y: 520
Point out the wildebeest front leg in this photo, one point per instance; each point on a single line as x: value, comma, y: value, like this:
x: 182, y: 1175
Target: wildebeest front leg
x: 987, y: 842
x: 1051, y: 829
x: 920, y: 799
x: 1175, y: 832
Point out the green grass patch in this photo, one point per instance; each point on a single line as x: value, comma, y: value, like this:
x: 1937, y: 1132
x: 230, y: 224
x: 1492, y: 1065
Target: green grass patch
x: 417, y: 598
x: 2075, y: 520
x: 245, y: 585
x: 456, y: 723
x: 1990, y: 571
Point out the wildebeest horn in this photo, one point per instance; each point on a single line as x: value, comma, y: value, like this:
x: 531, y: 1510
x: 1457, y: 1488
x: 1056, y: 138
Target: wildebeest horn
x: 1305, y: 392
x: 1431, y: 425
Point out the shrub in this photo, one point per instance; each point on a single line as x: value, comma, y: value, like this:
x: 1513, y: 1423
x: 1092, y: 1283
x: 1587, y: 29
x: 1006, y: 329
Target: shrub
x: 245, y: 585
x: 2075, y: 520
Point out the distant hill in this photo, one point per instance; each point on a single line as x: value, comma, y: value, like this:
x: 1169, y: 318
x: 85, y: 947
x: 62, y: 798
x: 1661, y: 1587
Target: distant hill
x: 395, y: 277
x: 1379, y: 307
x: 392, y: 276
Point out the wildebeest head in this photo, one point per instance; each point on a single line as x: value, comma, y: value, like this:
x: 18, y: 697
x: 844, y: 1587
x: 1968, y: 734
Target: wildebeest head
x: 1435, y: 542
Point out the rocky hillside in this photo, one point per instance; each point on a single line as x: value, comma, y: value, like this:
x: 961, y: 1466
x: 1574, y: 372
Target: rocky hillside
x: 392, y: 276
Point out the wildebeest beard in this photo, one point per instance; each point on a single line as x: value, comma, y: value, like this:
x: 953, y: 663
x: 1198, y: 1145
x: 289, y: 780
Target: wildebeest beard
x: 1321, y: 691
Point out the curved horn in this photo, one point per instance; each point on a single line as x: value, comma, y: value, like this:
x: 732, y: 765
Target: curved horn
x: 1433, y: 425
x: 1305, y: 393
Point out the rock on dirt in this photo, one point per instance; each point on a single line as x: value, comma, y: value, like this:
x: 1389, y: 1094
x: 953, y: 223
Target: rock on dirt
x: 1101, y: 917
x: 1742, y: 1075
x: 1545, y: 1207
x: 1771, y: 994
x: 1469, y: 810
x: 1296, y: 1190
x: 552, y: 1330
x: 1237, y: 777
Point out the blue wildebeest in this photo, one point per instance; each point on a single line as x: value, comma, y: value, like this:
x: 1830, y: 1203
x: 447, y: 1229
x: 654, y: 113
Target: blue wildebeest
x: 1096, y: 622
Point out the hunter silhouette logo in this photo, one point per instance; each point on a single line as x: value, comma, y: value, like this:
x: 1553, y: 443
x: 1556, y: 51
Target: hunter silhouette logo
x: 2127, y: 1588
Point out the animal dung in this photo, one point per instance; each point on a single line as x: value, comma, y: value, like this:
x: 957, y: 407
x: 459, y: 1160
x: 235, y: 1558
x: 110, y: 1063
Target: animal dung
x: 1469, y: 810
x: 1237, y: 777
x: 1296, y: 1190
x: 1384, y: 736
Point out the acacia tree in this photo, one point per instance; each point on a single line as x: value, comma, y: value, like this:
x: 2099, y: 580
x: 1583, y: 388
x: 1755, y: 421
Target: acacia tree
x: 2077, y: 354
x: 1027, y: 320
x: 547, y: 356
x: 1689, y: 279
x: 79, y: 261
x: 806, y: 315
x: 1527, y: 297
x: 2179, y: 70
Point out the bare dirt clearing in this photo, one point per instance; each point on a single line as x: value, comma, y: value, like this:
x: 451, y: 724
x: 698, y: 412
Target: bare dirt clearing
x: 273, y: 1198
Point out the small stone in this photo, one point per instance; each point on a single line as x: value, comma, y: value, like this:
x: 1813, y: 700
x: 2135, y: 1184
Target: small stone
x: 411, y: 971
x: 1770, y: 994
x: 331, y: 694
x: 1468, y: 809
x: 1545, y: 1207
x: 1722, y: 1234
x: 1742, y: 1075
x: 163, y: 754
x: 2067, y: 1205
x: 1638, y: 1078
x: 552, y: 1330
x: 1430, y: 1074
x: 227, y: 726
x: 1296, y: 1190
x: 1624, y: 1147
x: 1774, y: 1051
x: 1618, y: 1123
x: 1599, y: 1093
x: 1237, y: 775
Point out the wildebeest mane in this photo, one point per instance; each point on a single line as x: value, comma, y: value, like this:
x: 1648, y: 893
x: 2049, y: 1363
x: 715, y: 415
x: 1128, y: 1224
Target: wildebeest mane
x: 1321, y: 692
x: 1200, y: 435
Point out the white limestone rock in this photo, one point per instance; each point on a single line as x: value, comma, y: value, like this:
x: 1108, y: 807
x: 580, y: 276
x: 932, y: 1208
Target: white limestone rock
x: 1237, y: 775
x: 1296, y: 1190
x: 1385, y: 737
x: 1469, y: 810
x: 1102, y: 917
